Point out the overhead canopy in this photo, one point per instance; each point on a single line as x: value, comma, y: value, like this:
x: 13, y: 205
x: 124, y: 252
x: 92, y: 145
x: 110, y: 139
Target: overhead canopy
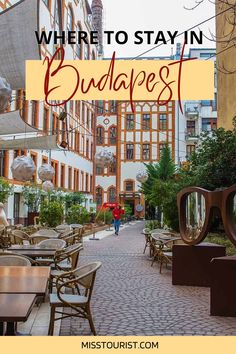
x: 18, y: 42
x: 38, y: 143
x: 12, y: 123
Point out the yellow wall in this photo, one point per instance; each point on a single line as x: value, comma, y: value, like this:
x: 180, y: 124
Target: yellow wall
x: 226, y: 82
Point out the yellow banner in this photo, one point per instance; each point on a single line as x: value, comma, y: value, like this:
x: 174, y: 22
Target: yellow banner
x: 120, y: 80
x: 105, y: 345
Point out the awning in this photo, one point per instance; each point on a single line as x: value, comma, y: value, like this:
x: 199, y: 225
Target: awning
x: 38, y: 143
x: 12, y: 123
x: 18, y: 42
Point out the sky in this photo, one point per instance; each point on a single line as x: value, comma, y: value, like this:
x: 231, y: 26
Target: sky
x: 154, y: 15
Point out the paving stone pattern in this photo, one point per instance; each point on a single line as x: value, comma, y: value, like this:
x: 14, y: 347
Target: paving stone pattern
x: 132, y: 298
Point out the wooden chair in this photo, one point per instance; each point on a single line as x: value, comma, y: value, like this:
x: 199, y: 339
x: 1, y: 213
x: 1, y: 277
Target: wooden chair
x: 11, y: 259
x: 147, y: 233
x: 18, y: 237
x: 78, y: 236
x: 52, y: 243
x: 79, y: 304
x: 34, y: 240
x: 65, y: 261
x: 166, y: 254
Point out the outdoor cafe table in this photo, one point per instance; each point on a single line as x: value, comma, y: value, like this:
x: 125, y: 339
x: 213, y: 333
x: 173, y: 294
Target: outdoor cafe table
x: 24, y: 280
x: 46, y: 233
x: 33, y: 251
x: 15, y: 308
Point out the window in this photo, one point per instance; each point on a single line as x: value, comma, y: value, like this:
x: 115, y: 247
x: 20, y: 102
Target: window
x: 54, y: 124
x: 99, y: 170
x: 86, y: 52
x: 112, y: 195
x: 112, y: 167
x: 3, y: 163
x: 77, y: 108
x: 99, y: 196
x: 129, y: 186
x: 87, y: 118
x: 146, y: 151
x: 163, y: 121
x: 70, y: 19
x: 209, y: 124
x: 78, y: 45
x: 91, y: 183
x: 113, y: 135
x: 100, y: 105
x: 83, y: 112
x: 82, y: 147
x: 35, y: 113
x: 45, y: 119
x: 76, y: 141
x: 191, y: 131
x: 71, y: 106
x: 70, y: 178
x: 87, y: 148
x: 189, y: 150
x: 130, y: 122
x: 129, y: 151
x: 113, y: 106
x: 82, y: 180
x: 56, y: 12
x: 146, y: 122
x: 87, y: 182
x: 161, y: 147
x: 214, y: 103
x: 92, y: 121
x: 206, y: 103
x: 100, y: 135
x: 76, y: 176
x: 62, y: 179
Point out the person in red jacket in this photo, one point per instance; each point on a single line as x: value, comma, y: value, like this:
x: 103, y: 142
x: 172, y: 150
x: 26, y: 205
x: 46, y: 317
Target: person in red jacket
x: 117, y: 212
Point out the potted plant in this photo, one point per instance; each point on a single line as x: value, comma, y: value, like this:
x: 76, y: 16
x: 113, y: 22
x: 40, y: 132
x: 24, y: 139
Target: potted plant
x: 33, y: 196
x: 77, y: 214
x: 51, y: 213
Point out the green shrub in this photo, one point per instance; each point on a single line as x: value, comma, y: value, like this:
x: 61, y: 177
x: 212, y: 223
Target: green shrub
x: 154, y: 224
x: 51, y: 213
x: 77, y: 214
x: 104, y: 216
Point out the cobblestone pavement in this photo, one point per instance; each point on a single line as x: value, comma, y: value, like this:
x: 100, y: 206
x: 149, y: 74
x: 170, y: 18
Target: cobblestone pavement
x: 132, y: 298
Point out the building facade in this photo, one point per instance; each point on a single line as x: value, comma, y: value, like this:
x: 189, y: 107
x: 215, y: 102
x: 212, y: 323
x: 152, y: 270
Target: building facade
x: 226, y: 78
x: 74, y: 169
x: 135, y: 138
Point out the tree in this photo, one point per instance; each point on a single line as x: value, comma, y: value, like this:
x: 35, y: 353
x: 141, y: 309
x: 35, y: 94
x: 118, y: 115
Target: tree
x: 5, y: 190
x: 214, y: 162
x: 161, y: 171
x: 32, y: 194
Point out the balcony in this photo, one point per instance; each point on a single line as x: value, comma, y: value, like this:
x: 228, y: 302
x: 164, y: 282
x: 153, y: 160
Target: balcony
x: 192, y: 110
x: 191, y: 136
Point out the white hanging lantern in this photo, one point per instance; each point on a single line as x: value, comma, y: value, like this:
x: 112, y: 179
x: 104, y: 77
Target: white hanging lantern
x: 104, y: 157
x: 46, y: 172
x: 142, y: 176
x: 5, y: 94
x: 47, y: 186
x: 23, y: 168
